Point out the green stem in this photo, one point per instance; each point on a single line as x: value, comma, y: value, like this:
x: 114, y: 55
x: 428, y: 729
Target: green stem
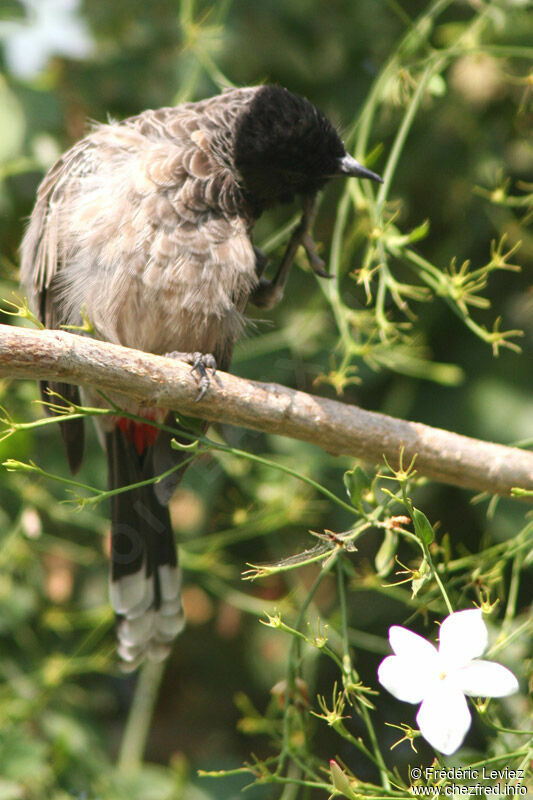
x: 419, y: 31
x: 281, y: 468
x: 500, y: 757
x: 140, y: 716
x: 401, y: 136
x: 427, y: 555
x: 291, y: 790
x: 437, y: 579
x: 510, y: 609
x: 103, y: 495
x: 291, y: 671
x: 19, y: 466
x: 363, y: 710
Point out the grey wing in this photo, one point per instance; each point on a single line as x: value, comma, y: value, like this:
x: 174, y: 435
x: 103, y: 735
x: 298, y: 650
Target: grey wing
x: 41, y: 249
x: 40, y: 262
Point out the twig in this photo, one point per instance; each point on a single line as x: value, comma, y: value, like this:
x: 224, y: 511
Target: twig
x: 338, y: 428
x: 140, y: 716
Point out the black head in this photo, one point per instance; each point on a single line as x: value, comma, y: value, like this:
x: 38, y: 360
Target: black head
x: 284, y: 146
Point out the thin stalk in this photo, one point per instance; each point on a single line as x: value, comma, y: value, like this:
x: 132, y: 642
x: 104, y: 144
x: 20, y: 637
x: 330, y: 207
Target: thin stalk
x: 510, y: 609
x: 420, y: 31
x: 401, y: 136
x: 291, y: 671
x: 291, y: 790
x: 363, y: 710
x: 140, y: 716
x: 281, y: 468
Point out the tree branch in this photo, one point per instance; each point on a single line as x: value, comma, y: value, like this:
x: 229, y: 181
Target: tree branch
x: 338, y: 428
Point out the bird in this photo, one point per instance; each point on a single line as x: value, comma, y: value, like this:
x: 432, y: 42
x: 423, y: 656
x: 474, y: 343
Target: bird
x: 145, y: 229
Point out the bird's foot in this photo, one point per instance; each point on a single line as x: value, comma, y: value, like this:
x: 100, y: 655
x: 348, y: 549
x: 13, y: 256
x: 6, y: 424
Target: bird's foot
x: 316, y: 263
x: 203, y: 366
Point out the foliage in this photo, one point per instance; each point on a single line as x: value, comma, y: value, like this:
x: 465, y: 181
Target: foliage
x: 436, y: 97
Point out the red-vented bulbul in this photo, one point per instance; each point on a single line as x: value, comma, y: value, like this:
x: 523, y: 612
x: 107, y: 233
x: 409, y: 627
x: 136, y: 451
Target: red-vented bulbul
x: 145, y: 227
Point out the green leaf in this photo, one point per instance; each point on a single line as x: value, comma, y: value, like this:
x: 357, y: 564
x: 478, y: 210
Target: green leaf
x: 423, y: 528
x: 357, y: 484
x: 418, y: 233
x: 424, y: 574
x: 384, y: 560
x: 340, y: 781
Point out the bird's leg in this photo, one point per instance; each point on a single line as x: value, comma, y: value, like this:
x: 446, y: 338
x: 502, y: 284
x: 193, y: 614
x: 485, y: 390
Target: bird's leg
x: 204, y: 367
x: 261, y: 262
x: 268, y: 294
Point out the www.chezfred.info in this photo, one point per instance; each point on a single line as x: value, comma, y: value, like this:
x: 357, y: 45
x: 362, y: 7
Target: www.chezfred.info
x: 487, y: 782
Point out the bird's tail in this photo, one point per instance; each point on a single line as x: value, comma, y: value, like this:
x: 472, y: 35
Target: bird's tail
x: 145, y: 578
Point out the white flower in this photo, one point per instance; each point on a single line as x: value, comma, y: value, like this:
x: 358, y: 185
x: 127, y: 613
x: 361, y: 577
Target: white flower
x: 440, y: 679
x: 51, y: 27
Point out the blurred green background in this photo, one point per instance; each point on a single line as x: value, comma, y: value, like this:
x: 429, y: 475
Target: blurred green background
x: 465, y: 166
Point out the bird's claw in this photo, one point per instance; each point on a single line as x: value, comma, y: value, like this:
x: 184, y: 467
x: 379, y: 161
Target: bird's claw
x: 316, y: 263
x: 310, y: 208
x: 203, y: 366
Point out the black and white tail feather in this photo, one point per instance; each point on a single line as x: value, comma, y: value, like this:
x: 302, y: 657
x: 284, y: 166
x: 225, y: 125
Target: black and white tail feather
x: 145, y: 578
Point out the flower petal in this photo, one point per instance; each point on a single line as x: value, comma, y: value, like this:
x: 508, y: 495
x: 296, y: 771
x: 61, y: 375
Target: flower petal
x: 444, y: 718
x: 486, y: 679
x: 462, y: 637
x: 407, y: 644
x: 405, y: 679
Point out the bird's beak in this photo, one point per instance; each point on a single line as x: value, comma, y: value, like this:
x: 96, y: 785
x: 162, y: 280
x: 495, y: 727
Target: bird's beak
x: 349, y: 166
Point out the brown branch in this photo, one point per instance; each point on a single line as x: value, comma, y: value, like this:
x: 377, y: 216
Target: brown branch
x: 338, y: 428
